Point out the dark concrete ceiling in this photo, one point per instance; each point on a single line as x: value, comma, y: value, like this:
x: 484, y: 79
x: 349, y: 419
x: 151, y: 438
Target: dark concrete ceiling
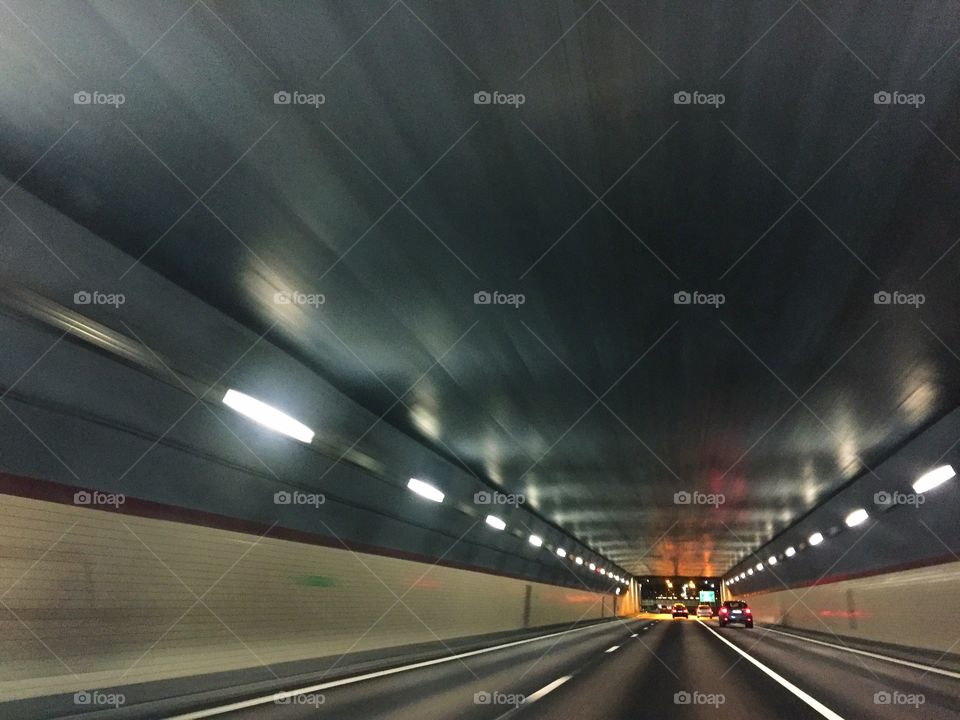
x: 598, y: 199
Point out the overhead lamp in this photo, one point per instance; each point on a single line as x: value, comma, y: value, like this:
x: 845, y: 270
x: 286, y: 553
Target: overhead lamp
x: 578, y: 560
x: 593, y: 566
x: 815, y: 539
x: 536, y: 540
x: 856, y: 517
x: 790, y: 551
x: 750, y: 571
x: 561, y: 552
x: 425, y: 490
x: 759, y: 566
x: 772, y: 560
x: 268, y: 416
x: 602, y: 571
x: 930, y: 480
x: 495, y: 522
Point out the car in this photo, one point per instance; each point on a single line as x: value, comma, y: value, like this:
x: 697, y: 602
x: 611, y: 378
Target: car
x: 704, y: 610
x: 680, y: 610
x: 736, y: 611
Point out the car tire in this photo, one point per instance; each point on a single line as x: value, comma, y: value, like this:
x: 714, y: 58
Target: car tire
x: 749, y: 624
x: 722, y: 624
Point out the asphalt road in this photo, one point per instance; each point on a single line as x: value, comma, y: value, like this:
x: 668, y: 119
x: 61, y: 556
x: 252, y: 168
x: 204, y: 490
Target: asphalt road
x: 659, y: 668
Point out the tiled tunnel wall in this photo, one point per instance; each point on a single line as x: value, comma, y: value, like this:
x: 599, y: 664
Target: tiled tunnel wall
x: 904, y: 608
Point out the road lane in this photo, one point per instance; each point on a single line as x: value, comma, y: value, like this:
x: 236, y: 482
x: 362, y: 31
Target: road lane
x: 451, y: 689
x: 854, y: 685
x: 675, y: 672
x: 677, y: 669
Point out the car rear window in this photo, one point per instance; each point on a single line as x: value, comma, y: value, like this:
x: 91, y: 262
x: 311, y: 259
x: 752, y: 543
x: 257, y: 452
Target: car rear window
x: 737, y: 605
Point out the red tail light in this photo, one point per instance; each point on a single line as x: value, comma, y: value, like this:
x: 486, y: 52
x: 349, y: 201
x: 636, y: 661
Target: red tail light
x: 723, y: 611
x: 747, y: 611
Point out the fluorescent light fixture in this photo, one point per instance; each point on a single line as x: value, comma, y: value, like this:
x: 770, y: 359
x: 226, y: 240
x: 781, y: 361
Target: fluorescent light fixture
x: 856, y: 517
x: 790, y: 551
x: 267, y: 416
x: 578, y: 560
x: 618, y: 591
x: 425, y: 490
x: 815, y: 539
x: 561, y: 552
x: 602, y: 571
x: 495, y: 522
x: 750, y: 571
x: 759, y: 566
x: 932, y: 479
x: 593, y: 566
x: 772, y: 560
x: 536, y: 540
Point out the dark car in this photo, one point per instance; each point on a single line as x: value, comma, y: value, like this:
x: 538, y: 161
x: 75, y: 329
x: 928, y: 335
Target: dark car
x: 735, y: 611
x: 680, y: 610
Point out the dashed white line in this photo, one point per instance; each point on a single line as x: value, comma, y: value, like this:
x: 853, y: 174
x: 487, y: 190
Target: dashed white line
x: 634, y: 635
x: 615, y: 647
x: 546, y: 689
x: 808, y: 699
x: 898, y: 661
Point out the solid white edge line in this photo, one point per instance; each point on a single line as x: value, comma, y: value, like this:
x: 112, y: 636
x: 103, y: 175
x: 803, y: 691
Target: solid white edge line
x: 546, y: 689
x: 898, y: 661
x: 283, y: 695
x: 808, y: 699
x: 615, y: 647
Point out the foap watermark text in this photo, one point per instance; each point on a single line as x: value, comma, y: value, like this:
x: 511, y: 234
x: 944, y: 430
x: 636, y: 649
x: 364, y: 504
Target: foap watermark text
x: 485, y: 497
x: 295, y: 297
x: 683, y: 497
x: 883, y: 297
x: 894, y: 97
x: 98, y: 698
x: 695, y: 97
x: 96, y: 97
x: 299, y: 498
x: 495, y: 97
x: 895, y: 697
x: 699, y: 298
x: 99, y: 499
x: 495, y: 297
x: 495, y: 697
x: 95, y: 297
x: 296, y: 97
x: 696, y: 697
x: 886, y: 498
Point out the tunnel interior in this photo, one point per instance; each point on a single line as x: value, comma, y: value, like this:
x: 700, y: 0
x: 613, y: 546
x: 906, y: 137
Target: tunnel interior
x: 395, y: 358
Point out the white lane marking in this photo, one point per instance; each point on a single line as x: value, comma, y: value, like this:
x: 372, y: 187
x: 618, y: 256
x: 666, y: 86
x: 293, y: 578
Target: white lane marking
x: 284, y: 695
x: 808, y: 699
x: 898, y: 661
x: 615, y: 647
x: 546, y: 689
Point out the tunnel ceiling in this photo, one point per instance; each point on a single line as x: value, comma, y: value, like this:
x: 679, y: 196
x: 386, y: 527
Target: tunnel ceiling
x: 598, y: 199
